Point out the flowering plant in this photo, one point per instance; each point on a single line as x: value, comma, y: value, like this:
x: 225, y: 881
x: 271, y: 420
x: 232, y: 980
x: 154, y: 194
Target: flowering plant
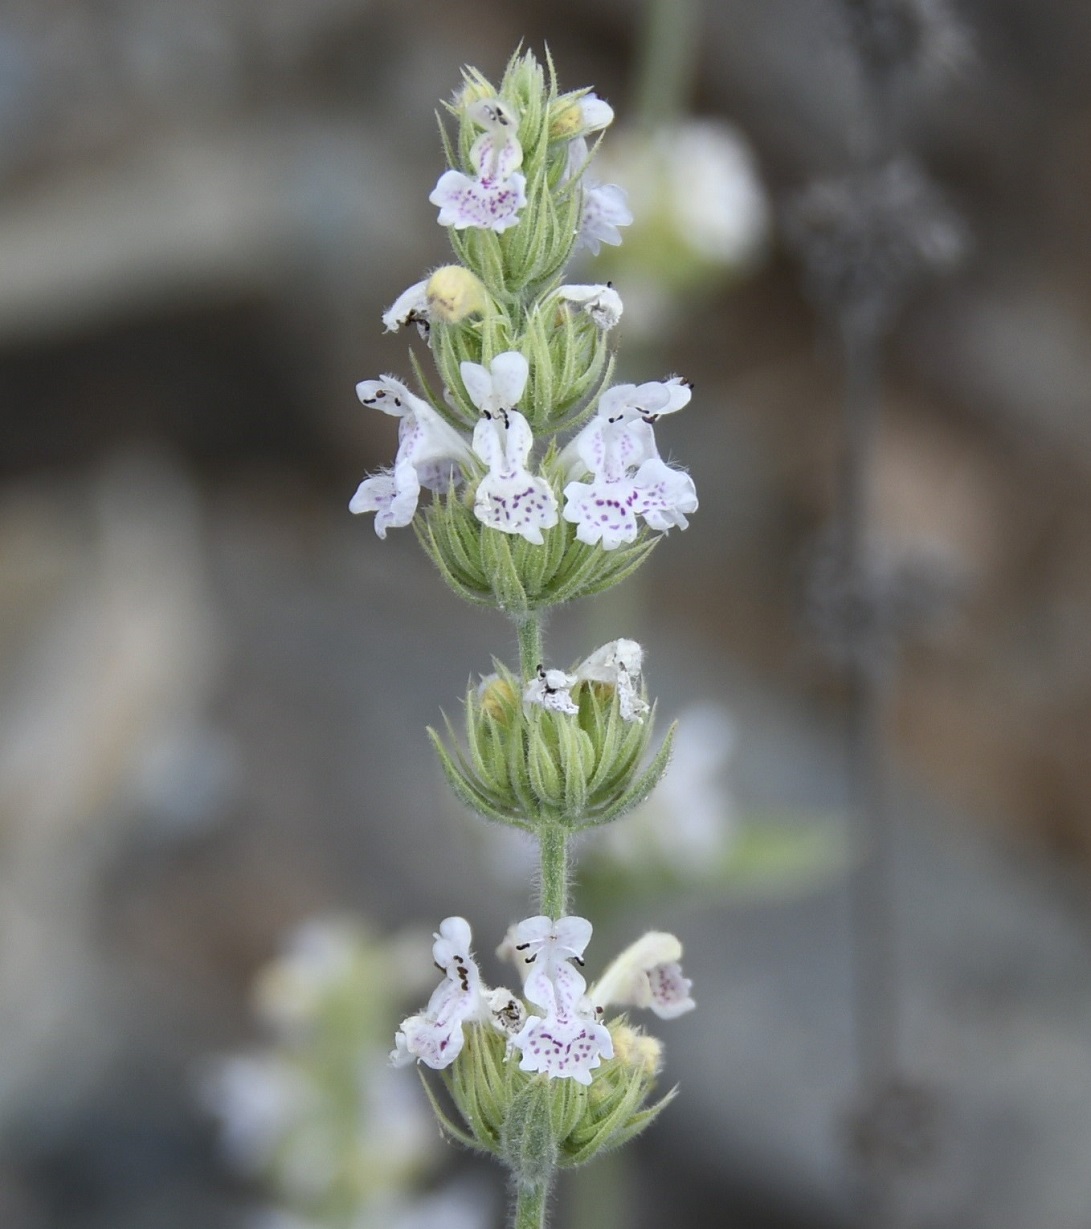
x: 546, y: 484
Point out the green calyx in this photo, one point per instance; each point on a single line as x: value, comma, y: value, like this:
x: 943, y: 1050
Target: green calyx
x: 505, y: 571
x: 527, y: 766
x: 536, y: 1124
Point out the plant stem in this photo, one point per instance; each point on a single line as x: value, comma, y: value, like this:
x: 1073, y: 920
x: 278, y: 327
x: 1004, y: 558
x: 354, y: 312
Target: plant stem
x: 553, y: 844
x: 529, y: 630
x: 552, y: 837
x: 530, y: 1206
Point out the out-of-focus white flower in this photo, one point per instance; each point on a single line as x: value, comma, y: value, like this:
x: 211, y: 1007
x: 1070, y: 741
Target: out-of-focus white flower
x: 318, y: 958
x: 257, y: 1098
x: 697, y: 183
x: 688, y: 823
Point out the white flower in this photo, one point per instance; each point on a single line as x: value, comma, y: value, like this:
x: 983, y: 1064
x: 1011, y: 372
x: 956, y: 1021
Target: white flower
x: 605, y: 208
x: 258, y: 1098
x: 618, y: 664
x: 550, y: 689
x: 410, y: 307
x: 435, y: 1036
x: 646, y: 974
x: 491, y: 200
x: 595, y: 113
x: 626, y: 402
x: 628, y: 478
x: 430, y: 455
x: 688, y: 824
x: 510, y: 498
x: 601, y: 303
x: 320, y: 957
x: 500, y: 386
x: 567, y: 1041
x: 714, y: 192
x: 606, y: 508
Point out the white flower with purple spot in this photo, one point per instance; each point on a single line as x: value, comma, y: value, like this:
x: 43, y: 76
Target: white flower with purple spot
x: 430, y: 455
x: 509, y: 498
x: 628, y: 479
x: 551, y: 689
x: 606, y: 509
x: 492, y: 198
x: 618, y: 664
x: 435, y: 1036
x: 567, y: 1040
x: 646, y: 974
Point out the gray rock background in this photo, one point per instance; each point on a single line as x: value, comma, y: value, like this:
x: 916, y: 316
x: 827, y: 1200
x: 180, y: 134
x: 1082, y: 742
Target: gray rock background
x: 214, y: 682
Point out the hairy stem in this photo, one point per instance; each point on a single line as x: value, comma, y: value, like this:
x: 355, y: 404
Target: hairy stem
x: 552, y: 837
x: 553, y: 844
x: 529, y: 630
x: 530, y: 1205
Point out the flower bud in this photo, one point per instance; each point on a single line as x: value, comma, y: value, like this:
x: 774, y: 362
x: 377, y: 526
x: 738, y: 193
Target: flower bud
x: 636, y: 1050
x: 566, y: 119
x: 453, y: 293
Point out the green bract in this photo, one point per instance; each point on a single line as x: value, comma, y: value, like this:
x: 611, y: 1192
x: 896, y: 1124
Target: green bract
x: 528, y: 766
x: 535, y: 1124
x: 512, y: 574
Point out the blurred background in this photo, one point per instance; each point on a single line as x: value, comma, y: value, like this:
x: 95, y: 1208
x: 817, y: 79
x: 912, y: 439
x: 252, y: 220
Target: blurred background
x: 214, y: 681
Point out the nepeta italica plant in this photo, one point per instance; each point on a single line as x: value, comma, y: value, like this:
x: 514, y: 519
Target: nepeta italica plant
x: 546, y: 485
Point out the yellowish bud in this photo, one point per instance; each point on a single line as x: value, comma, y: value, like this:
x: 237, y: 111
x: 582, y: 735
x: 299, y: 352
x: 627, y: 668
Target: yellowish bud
x: 453, y: 293
x: 567, y: 120
x: 636, y: 1050
x: 473, y: 90
x: 498, y: 698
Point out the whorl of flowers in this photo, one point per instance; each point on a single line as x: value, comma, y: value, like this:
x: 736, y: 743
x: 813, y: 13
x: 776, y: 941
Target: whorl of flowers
x: 546, y: 483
